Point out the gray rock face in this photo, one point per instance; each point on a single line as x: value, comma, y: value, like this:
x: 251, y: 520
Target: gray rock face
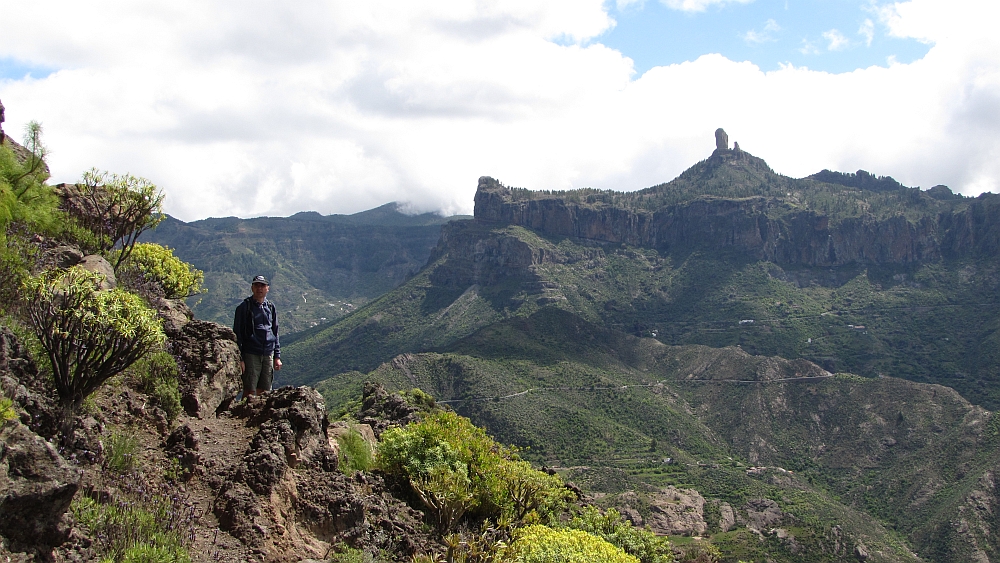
x: 677, y: 512
x: 381, y: 410
x: 210, y: 366
x: 99, y: 265
x: 727, y: 518
x: 62, y: 256
x: 20, y: 382
x: 721, y: 139
x: 333, y: 507
x: 762, y: 514
x: 174, y: 313
x: 292, y: 433
x: 36, y: 488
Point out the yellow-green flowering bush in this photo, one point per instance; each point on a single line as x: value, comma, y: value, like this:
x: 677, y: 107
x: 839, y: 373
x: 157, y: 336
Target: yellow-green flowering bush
x: 541, y: 544
x: 154, y: 263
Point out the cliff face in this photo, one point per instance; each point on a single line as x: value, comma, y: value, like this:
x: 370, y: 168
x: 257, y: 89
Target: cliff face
x: 763, y: 227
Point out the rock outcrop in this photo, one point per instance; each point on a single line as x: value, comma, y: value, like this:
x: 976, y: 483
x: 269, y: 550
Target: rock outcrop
x: 267, y: 505
x: 208, y: 358
x: 36, y: 488
x: 721, y: 139
x: 677, y: 512
x: 381, y: 410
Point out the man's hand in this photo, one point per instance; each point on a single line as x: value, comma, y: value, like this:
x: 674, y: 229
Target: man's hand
x: 277, y: 364
x: 243, y: 366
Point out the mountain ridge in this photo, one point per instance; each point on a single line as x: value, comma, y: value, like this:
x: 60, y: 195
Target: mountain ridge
x: 734, y: 200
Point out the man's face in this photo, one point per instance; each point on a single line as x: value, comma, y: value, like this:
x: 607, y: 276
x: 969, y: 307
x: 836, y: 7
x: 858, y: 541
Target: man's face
x: 260, y: 291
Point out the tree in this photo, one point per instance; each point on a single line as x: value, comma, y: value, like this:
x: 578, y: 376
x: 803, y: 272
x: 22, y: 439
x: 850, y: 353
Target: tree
x: 27, y: 207
x: 117, y: 209
x: 90, y: 335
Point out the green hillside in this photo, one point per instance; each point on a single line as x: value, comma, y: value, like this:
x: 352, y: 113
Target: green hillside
x: 932, y: 322
x: 867, y: 455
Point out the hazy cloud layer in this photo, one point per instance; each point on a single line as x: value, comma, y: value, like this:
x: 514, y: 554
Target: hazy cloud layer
x: 264, y: 108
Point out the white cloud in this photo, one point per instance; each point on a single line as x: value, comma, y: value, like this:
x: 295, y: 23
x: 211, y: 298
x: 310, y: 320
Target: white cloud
x: 835, y: 40
x: 766, y: 35
x: 339, y: 106
x: 698, y: 5
x: 867, y: 30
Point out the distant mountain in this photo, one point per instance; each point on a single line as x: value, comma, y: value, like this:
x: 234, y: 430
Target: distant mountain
x: 320, y: 267
x: 743, y: 337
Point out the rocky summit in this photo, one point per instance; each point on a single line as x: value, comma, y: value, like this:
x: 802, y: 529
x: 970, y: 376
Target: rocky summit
x: 749, y: 209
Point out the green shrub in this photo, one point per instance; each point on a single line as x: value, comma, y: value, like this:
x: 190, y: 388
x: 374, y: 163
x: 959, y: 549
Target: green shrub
x: 119, y: 451
x: 90, y: 335
x: 445, y: 451
x: 347, y: 554
x: 156, y: 374
x: 415, y: 450
x: 420, y: 398
x: 152, y: 263
x: 520, y: 492
x: 644, y: 544
x: 27, y: 207
x: 7, y: 412
x: 446, y: 492
x: 355, y: 453
x: 146, y: 553
x: 541, y: 544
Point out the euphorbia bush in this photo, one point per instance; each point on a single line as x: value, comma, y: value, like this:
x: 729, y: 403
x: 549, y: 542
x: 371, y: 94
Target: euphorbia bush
x: 150, y: 262
x: 445, y: 454
x: 90, y: 334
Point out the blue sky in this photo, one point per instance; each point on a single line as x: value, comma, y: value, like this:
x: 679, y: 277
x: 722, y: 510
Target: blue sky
x: 11, y: 68
x: 828, y: 35
x: 336, y: 106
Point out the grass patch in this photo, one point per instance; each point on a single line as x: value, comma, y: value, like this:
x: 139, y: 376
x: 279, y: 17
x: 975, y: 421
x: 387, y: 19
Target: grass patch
x: 156, y: 375
x: 141, y: 523
x: 355, y: 453
x: 119, y: 452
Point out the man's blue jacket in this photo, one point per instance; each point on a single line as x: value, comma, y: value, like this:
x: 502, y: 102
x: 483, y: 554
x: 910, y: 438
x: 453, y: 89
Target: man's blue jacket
x: 256, y: 328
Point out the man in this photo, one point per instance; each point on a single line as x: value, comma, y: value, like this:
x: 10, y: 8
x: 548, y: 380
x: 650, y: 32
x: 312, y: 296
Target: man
x: 256, y: 328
